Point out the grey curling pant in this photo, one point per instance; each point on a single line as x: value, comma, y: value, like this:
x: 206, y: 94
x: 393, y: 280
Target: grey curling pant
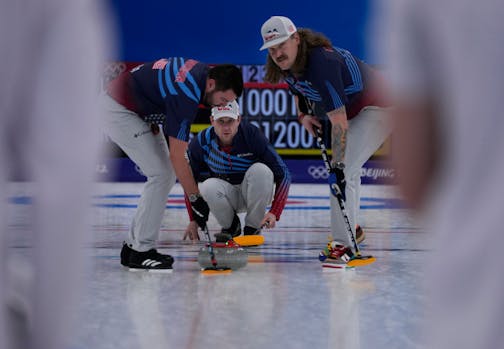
x: 251, y: 196
x: 366, y: 133
x: 150, y: 152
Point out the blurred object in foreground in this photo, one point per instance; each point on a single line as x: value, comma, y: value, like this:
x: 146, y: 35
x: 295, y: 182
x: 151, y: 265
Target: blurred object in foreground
x: 52, y: 54
x: 445, y: 60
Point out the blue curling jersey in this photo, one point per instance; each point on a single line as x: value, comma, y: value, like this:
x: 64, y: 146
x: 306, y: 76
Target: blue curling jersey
x: 335, y: 78
x: 209, y: 159
x: 168, y: 91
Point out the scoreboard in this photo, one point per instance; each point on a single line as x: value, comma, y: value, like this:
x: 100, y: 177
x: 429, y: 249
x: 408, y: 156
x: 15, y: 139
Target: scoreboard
x: 272, y: 108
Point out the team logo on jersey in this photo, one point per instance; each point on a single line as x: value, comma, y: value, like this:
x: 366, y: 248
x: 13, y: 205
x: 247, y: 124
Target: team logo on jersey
x: 305, y: 88
x: 182, y: 73
x: 160, y: 64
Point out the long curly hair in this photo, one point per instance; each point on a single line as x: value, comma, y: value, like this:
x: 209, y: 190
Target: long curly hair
x: 308, y: 39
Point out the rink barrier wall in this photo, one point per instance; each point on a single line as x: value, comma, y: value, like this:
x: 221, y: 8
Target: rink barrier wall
x: 302, y: 171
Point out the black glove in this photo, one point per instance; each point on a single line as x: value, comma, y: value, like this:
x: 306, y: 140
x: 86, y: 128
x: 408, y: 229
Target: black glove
x: 200, y: 211
x: 337, y: 182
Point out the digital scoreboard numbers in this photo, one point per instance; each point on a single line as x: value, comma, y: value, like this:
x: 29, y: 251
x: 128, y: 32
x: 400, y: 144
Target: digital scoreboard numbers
x: 272, y: 108
x: 253, y: 73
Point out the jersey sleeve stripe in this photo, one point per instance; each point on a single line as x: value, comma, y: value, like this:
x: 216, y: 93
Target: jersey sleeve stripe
x: 187, y: 92
x: 353, y: 68
x: 219, y: 160
x: 160, y: 83
x: 208, y: 133
x: 309, y: 91
x: 168, y: 80
x: 183, y: 132
x: 216, y: 159
x: 189, y: 77
x: 182, y: 85
x: 195, y: 86
x: 215, y: 163
x: 334, y: 95
x: 237, y: 161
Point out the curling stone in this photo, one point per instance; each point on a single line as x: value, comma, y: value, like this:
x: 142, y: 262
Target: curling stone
x: 228, y: 255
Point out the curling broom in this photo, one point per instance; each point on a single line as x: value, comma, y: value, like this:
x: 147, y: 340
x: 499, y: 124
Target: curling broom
x: 357, y: 259
x: 221, y: 258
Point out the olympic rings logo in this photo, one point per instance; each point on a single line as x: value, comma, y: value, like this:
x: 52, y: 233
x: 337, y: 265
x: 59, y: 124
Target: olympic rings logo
x: 113, y: 70
x: 318, y: 172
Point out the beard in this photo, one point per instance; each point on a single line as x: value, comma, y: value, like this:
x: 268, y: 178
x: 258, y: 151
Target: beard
x: 208, y: 98
x: 282, y: 62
